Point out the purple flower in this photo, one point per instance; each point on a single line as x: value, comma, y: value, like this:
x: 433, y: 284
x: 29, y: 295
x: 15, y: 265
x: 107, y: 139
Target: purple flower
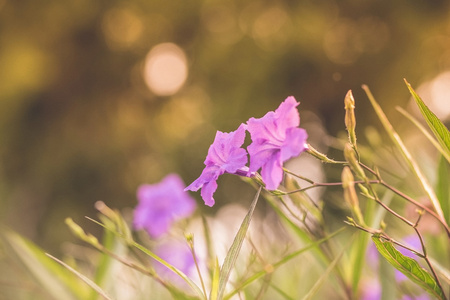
x: 413, y: 242
x: 178, y: 255
x: 225, y: 155
x: 275, y: 139
x: 371, y: 289
x: 161, y: 204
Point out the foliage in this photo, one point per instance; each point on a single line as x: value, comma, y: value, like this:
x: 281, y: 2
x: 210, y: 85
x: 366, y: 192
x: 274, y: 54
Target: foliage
x: 295, y: 251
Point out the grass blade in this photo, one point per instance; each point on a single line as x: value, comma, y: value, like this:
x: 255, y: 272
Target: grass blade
x: 79, y: 232
x: 235, y: 248
x: 54, y: 279
x: 440, y: 131
x: 282, y: 261
x: 359, y: 257
x: 105, y: 263
x: 215, y: 281
x: 443, y: 188
x: 444, y: 272
x: 281, y: 292
x: 432, y: 140
x: 82, y: 277
x: 172, y: 268
x: 408, y: 266
x: 298, y: 231
x: 322, y: 278
x: 406, y: 154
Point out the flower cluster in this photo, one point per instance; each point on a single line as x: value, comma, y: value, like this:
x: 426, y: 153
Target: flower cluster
x: 275, y: 137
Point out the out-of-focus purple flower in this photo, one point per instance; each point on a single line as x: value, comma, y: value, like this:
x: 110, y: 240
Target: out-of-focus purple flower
x: 372, y: 257
x: 371, y: 289
x: 225, y: 155
x: 178, y: 255
x: 161, y: 204
x: 275, y: 139
x: 413, y: 242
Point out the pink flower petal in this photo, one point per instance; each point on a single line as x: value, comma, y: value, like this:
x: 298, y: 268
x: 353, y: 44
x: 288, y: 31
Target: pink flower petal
x: 275, y: 139
x: 225, y: 155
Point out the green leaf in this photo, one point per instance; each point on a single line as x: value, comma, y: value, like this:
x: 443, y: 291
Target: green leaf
x: 53, y: 278
x: 235, y: 248
x: 406, y: 154
x: 407, y: 266
x: 440, y: 131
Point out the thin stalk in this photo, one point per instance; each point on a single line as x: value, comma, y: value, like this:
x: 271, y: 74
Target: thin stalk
x: 405, y: 153
x: 425, y: 257
x: 407, y: 198
x: 298, y: 176
x: 411, y: 224
x: 317, y: 184
x: 376, y: 199
x: 421, y: 255
x: 191, y: 247
x: 379, y: 180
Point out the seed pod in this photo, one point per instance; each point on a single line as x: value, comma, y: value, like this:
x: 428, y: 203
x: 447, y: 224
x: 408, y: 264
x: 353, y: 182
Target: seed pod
x: 350, y: 157
x: 350, y: 120
x: 348, y: 184
x: 311, y: 150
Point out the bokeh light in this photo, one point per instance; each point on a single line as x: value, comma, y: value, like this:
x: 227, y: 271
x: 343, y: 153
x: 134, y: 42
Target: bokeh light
x: 122, y: 28
x: 347, y: 40
x: 165, y: 69
x: 221, y: 23
x: 270, y: 29
x: 436, y: 95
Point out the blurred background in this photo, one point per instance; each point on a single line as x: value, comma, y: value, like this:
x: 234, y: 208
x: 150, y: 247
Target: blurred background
x: 98, y: 97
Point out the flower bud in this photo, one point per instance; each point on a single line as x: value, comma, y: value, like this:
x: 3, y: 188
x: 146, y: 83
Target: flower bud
x: 350, y: 157
x: 383, y: 225
x: 364, y: 190
x: 190, y: 239
x: 311, y: 150
x: 75, y: 228
x: 350, y: 120
x: 79, y: 232
x: 348, y: 184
